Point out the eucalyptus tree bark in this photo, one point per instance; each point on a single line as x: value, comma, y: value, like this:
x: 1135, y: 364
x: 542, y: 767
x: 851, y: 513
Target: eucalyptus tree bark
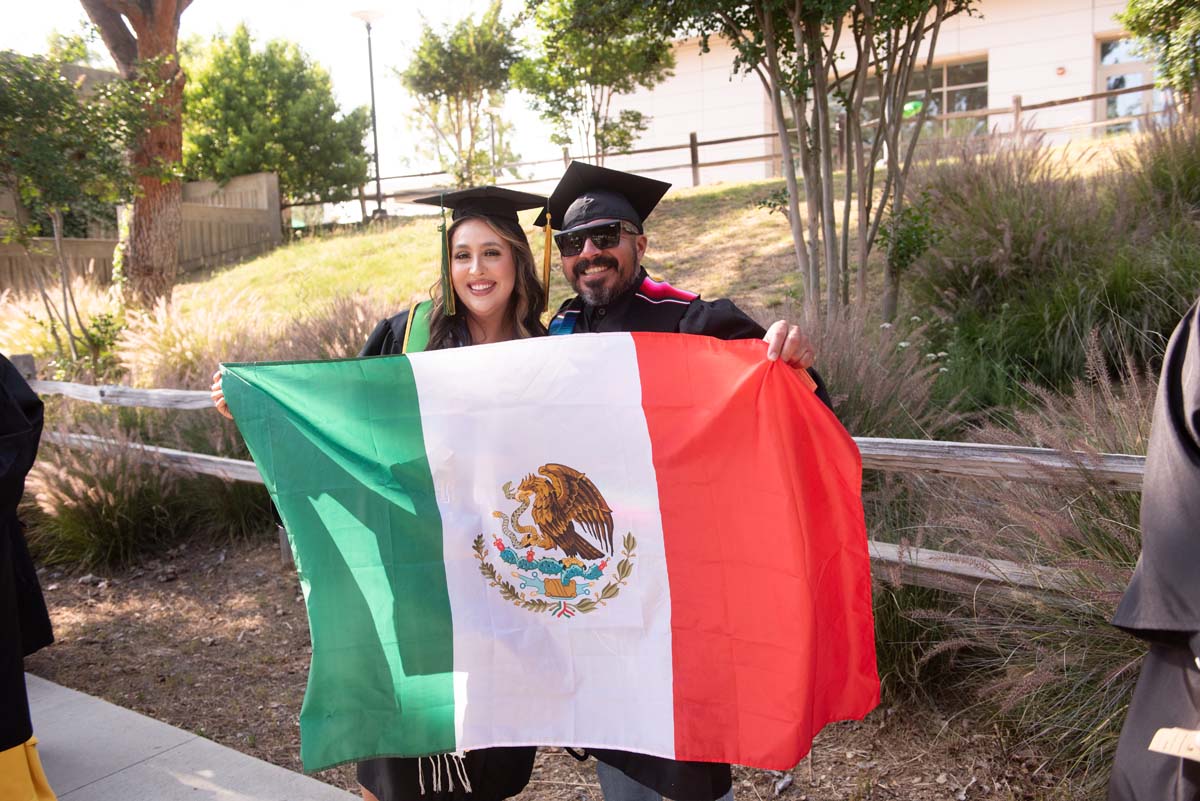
x: 145, y: 34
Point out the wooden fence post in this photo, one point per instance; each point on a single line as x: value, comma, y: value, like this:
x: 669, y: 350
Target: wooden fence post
x: 1016, y: 114
x: 25, y: 365
x: 285, y: 548
x: 695, y: 146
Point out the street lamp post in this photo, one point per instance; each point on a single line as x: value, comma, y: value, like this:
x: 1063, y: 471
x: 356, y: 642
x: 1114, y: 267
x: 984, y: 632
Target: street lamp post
x: 368, y: 17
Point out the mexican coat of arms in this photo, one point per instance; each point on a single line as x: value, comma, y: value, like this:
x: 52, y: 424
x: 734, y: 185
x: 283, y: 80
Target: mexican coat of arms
x: 562, y: 564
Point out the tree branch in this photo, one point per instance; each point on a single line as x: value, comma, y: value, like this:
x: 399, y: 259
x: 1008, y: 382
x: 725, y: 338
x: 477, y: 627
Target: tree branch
x: 115, y: 33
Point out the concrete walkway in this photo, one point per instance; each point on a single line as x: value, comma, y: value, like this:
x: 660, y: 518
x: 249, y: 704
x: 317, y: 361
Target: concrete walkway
x: 95, y: 751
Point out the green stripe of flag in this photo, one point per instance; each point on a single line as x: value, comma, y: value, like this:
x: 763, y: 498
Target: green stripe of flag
x: 370, y: 529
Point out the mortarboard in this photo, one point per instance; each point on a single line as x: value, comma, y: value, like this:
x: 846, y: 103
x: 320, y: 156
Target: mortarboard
x: 493, y: 202
x: 587, y: 192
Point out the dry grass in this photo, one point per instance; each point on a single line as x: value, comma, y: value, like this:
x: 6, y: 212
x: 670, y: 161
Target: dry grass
x: 102, y: 506
x: 1056, y: 675
x: 175, y: 345
x: 24, y: 323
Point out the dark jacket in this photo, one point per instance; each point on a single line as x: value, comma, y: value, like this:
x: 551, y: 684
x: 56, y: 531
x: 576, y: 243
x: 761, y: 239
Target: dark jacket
x: 656, y: 306
x: 1162, y: 603
x: 24, y: 622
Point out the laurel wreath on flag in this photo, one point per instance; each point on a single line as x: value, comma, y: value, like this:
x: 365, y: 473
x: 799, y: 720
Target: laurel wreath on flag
x: 609, y: 591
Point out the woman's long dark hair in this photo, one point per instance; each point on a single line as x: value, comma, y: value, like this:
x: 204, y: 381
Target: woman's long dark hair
x: 524, y: 307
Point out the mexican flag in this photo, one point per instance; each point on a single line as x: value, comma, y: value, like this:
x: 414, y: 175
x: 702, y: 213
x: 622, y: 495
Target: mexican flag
x: 643, y: 542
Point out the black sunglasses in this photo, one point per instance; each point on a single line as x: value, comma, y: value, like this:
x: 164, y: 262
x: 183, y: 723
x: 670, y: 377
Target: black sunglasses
x: 603, y: 236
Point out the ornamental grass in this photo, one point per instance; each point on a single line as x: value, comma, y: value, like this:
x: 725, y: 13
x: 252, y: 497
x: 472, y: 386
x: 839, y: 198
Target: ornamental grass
x: 1048, y: 667
x: 103, y: 506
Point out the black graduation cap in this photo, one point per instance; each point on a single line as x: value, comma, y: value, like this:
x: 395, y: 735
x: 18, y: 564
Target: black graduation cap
x: 486, y: 201
x: 587, y: 192
x: 494, y: 202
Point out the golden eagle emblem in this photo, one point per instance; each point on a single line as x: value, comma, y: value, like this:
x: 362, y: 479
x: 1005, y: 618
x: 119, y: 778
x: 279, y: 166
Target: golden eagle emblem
x: 563, y: 563
x: 562, y: 497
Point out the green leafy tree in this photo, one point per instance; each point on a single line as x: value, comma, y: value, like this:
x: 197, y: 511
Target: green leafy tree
x: 1170, y: 31
x: 75, y: 48
x: 582, y: 59
x: 271, y: 110
x: 64, y: 151
x: 458, y: 77
x: 816, y: 61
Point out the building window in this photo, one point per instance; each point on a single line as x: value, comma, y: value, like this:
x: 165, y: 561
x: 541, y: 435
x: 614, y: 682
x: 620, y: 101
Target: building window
x: 1121, y: 66
x: 962, y: 86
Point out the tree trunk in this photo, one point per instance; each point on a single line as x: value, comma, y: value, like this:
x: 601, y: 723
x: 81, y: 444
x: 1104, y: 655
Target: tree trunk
x: 157, y: 224
x: 153, y: 247
x: 772, y: 80
x: 891, y: 291
x: 824, y: 145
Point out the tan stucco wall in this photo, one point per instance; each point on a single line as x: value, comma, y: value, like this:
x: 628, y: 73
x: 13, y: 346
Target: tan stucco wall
x: 1026, y: 42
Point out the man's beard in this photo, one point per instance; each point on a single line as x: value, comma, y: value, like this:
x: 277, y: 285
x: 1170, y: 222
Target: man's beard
x: 605, y: 294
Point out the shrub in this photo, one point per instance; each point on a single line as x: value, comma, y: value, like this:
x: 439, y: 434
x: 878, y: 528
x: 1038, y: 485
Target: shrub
x: 177, y: 346
x: 881, y: 382
x: 221, y: 510
x: 1034, y: 255
x: 1164, y: 171
x: 168, y: 346
x: 25, y: 328
x: 1055, y: 674
x: 337, y: 329
x: 103, y: 506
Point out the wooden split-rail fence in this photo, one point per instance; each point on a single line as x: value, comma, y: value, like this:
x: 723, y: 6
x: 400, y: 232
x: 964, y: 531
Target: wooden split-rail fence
x: 941, y: 570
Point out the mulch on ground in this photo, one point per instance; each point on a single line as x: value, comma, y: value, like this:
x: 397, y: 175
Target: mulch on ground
x: 215, y: 640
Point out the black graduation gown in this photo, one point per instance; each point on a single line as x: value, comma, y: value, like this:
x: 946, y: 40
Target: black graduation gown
x: 650, y: 306
x: 654, y: 307
x: 24, y: 622
x: 495, y: 773
x: 1162, y: 603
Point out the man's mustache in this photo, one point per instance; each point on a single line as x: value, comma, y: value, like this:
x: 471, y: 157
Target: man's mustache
x: 595, y: 261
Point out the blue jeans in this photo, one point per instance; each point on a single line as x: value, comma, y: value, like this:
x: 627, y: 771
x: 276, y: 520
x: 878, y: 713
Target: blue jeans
x: 616, y: 786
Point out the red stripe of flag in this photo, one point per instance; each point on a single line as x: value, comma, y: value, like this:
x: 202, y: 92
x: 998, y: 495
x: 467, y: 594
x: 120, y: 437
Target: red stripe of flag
x: 760, y: 495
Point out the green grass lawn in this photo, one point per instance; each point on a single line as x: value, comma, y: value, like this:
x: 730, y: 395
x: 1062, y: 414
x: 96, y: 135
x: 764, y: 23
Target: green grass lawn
x: 710, y: 239
x: 394, y: 263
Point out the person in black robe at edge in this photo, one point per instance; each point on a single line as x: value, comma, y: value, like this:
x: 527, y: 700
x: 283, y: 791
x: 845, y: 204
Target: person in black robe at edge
x: 24, y: 621
x: 1162, y: 603
x: 600, y: 214
x: 494, y: 296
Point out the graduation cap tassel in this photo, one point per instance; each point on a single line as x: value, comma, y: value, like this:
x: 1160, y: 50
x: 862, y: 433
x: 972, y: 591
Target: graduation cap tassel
x: 546, y: 236
x: 447, y: 286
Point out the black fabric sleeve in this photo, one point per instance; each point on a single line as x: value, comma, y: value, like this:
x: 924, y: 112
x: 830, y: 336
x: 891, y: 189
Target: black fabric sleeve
x: 723, y: 320
x: 720, y: 319
x: 388, y: 337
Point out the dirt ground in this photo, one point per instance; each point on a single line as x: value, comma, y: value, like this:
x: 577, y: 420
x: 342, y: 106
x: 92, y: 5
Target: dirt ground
x: 215, y: 640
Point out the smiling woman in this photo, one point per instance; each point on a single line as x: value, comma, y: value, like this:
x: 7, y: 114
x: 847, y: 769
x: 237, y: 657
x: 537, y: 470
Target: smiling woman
x: 483, y: 272
x: 490, y: 290
x: 490, y: 293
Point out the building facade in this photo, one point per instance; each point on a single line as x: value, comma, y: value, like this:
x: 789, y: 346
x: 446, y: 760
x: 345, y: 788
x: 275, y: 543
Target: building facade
x: 1037, y: 50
